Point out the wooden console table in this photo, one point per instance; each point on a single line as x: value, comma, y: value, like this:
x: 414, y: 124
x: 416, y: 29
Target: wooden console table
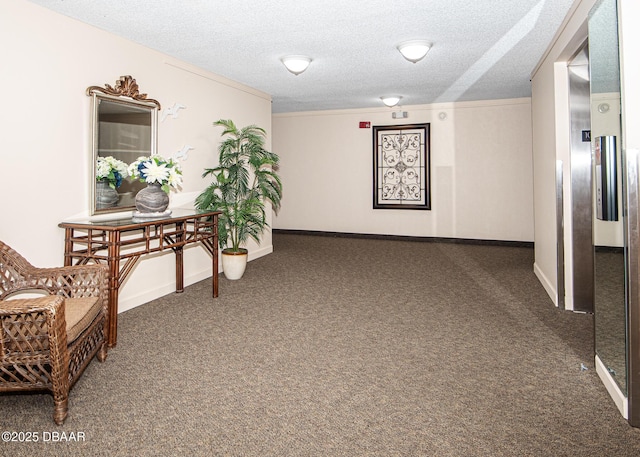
x: 103, y: 242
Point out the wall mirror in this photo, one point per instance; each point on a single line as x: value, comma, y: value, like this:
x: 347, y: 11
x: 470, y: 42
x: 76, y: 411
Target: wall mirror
x: 608, y: 224
x: 124, y: 127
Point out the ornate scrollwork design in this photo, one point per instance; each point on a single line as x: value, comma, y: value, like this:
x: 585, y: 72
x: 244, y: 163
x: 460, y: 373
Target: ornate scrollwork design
x: 401, y: 165
x: 126, y: 86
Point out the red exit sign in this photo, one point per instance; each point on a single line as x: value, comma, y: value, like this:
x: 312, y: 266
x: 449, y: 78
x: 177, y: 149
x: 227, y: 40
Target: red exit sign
x: 365, y: 125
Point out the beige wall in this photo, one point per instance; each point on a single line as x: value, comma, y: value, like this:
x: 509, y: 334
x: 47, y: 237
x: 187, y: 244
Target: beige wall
x: 629, y: 12
x: 481, y: 171
x: 550, y: 123
x: 550, y: 118
x: 482, y: 181
x: 48, y: 60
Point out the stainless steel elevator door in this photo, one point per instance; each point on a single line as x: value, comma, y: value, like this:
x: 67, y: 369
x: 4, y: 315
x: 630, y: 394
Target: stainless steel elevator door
x: 581, y: 183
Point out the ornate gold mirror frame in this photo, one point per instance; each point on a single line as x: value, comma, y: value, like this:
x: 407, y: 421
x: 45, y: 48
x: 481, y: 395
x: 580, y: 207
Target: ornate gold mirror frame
x: 123, y: 127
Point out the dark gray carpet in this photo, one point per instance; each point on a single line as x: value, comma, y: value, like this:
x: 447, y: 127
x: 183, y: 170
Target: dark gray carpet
x: 345, y: 347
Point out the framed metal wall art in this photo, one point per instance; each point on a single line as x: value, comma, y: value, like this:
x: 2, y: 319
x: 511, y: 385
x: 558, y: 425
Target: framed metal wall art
x: 401, y: 170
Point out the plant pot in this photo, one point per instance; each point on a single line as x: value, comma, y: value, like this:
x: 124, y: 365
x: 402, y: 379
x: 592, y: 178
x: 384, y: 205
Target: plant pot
x: 234, y: 263
x: 152, y: 199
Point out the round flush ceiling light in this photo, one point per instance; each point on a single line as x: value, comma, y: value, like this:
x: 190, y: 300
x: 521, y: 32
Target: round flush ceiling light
x: 414, y: 50
x: 391, y: 100
x: 296, y: 64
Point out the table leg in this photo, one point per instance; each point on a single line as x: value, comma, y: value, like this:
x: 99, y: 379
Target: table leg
x: 214, y: 254
x: 179, y: 270
x: 114, y: 286
x: 211, y: 244
x: 179, y: 257
x: 68, y: 246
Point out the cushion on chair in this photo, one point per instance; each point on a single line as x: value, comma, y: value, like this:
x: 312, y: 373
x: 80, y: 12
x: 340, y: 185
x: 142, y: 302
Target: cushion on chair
x: 79, y: 314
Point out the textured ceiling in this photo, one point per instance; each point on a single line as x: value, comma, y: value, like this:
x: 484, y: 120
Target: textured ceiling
x: 482, y: 49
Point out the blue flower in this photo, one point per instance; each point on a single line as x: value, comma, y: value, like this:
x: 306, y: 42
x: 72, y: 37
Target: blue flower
x: 111, y: 170
x: 155, y: 169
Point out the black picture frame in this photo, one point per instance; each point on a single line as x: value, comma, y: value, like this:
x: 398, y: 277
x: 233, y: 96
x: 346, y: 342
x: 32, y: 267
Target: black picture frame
x: 401, y: 167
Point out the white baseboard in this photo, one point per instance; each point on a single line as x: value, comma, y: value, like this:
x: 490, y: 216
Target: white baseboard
x: 612, y: 387
x: 256, y: 254
x: 157, y: 292
x: 146, y: 296
x: 548, y: 286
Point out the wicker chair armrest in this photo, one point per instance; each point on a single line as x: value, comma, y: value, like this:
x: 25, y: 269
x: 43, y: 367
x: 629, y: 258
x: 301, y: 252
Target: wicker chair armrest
x: 45, y: 304
x: 73, y: 281
x: 33, y: 326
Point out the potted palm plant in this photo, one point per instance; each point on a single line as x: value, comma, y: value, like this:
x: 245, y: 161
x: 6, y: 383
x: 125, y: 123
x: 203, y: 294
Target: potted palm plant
x: 245, y: 179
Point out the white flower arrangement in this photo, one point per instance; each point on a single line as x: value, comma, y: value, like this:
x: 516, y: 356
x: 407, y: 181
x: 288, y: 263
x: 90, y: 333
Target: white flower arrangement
x: 155, y: 169
x: 112, y: 170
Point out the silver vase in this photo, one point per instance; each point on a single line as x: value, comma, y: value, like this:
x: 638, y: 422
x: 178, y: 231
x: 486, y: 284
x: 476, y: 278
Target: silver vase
x: 106, y: 196
x: 152, y: 199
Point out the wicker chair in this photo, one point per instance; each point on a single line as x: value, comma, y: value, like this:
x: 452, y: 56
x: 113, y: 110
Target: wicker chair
x: 46, y: 342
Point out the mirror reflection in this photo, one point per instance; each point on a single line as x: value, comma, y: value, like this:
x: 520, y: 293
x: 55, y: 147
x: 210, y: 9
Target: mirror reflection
x: 124, y: 129
x: 610, y: 304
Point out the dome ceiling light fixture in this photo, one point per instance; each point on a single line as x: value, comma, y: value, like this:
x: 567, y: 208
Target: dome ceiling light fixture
x: 391, y: 100
x: 414, y: 50
x: 296, y: 64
